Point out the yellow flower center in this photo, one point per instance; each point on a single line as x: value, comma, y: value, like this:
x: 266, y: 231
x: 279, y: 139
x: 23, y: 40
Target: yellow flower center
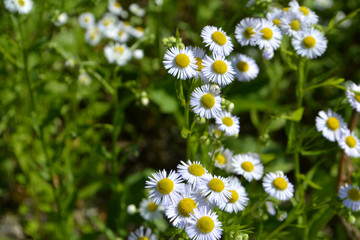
x: 219, y: 38
x: 217, y: 133
x: 165, y: 186
x: 126, y: 23
x: 186, y: 206
x: 350, y: 141
x: 106, y: 22
x: 267, y: 33
x: 276, y: 21
x: 219, y: 67
x: 199, y: 63
x: 357, y: 98
x: 93, y: 36
x: 121, y: 33
x: 249, y: 32
x: 332, y: 123
x: 84, y: 79
x: 117, y: 5
x: 207, y: 101
x: 309, y: 42
x: 182, y: 60
x: 142, y: 238
x: 243, y: 66
x: 286, y: 9
x: 216, y: 185
x: 119, y: 49
x: 234, y: 196
x: 247, y: 166
x: 140, y: 29
x: 280, y: 183
x: 152, y: 207
x: 205, y: 224
x: 196, y: 170
x: 228, y: 121
x: 220, y: 159
x: 86, y: 19
x: 354, y: 194
x: 295, y: 25
x: 304, y: 10
x: 21, y: 2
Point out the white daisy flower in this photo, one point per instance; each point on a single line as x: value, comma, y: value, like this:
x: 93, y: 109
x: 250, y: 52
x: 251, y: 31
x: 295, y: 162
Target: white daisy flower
x: 238, y: 200
x: 277, y: 185
x: 179, y: 212
x: 330, y: 124
x: 245, y: 67
x: 308, y: 15
x: 138, y: 54
x: 199, y: 55
x: 108, y: 25
x: 20, y: 6
x: 115, y: 7
x: 61, y: 19
x: 137, y: 32
x: 245, y: 31
x: 353, y: 98
x: 204, y: 225
x: 150, y: 210
x: 93, y: 36
x: 268, y: 53
x: 350, y: 195
x: 217, y: 40
x: 270, y: 208
x: 131, y: 209
x: 180, y: 63
x: 223, y: 159
x: 323, y: 4
x: 143, y: 234
x: 275, y: 15
x: 137, y: 10
x: 215, y: 188
x: 310, y: 43
x: 165, y: 190
x: 228, y: 123
x: 121, y: 35
x: 349, y: 143
x: 218, y: 70
x: 268, y: 35
x: 205, y: 103
x: 84, y: 78
x: 248, y: 165
x: 292, y: 24
x: 86, y: 20
x: 117, y: 53
x: 214, y: 131
x: 191, y: 171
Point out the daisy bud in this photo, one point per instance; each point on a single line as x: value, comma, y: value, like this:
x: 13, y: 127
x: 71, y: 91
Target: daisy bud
x: 165, y: 41
x: 131, y: 209
x: 200, y: 120
x: 281, y: 216
x: 352, y: 219
x: 268, y: 53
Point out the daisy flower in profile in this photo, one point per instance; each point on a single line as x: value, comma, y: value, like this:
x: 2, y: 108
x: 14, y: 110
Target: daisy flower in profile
x: 137, y: 32
x: 117, y: 53
x: 248, y: 165
x: 269, y: 205
x: 204, y: 225
x: 204, y: 102
x: 215, y: 188
x: 275, y: 15
x: 191, y: 171
x: 150, y: 210
x: 142, y: 234
x: 93, y: 36
x: 218, y: 70
x: 217, y: 40
x: 115, y: 7
x: 61, y: 19
x: 86, y: 20
x: 268, y: 53
x: 350, y: 195
x: 20, y: 6
x: 310, y: 43
x: 308, y: 15
x: 268, y: 35
x: 84, y: 78
x: 137, y: 10
x: 349, y: 143
x: 121, y: 35
x: 228, y: 123
x: 179, y: 212
x: 223, y: 159
x: 214, y: 131
x: 292, y: 23
x: 277, y: 185
x: 165, y: 190
x: 330, y: 124
x: 353, y: 98
x: 245, y: 31
x: 199, y: 55
x: 238, y: 200
x: 180, y: 63
x: 245, y: 67
x: 107, y: 25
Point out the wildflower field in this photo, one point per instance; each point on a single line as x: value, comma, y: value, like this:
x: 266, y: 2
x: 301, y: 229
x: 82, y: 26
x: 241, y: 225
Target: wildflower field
x: 164, y: 119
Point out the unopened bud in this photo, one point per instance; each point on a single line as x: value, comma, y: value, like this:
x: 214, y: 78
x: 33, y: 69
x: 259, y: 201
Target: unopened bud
x: 131, y: 209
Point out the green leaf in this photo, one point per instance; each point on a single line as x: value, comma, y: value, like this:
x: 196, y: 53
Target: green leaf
x: 295, y: 116
x: 166, y: 102
x: 311, y: 183
x: 333, y: 25
x: 90, y: 190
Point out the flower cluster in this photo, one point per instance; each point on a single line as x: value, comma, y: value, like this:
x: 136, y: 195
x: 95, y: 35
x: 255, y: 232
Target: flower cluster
x: 19, y: 6
x: 119, y: 32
